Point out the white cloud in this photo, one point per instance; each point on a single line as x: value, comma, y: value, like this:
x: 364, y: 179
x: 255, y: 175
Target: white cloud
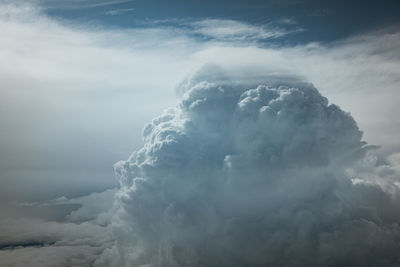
x: 254, y: 173
x: 115, y: 12
x: 231, y: 30
x: 79, y: 4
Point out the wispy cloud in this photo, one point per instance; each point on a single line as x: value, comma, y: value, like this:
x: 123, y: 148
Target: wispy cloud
x: 235, y: 30
x: 115, y: 12
x: 288, y: 21
x: 228, y: 30
x: 76, y: 4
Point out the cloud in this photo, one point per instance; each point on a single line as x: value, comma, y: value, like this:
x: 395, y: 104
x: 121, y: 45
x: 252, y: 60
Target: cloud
x: 38, y: 243
x: 222, y: 29
x: 360, y: 74
x: 227, y: 31
x: 85, y: 4
x: 115, y: 12
x: 74, y: 99
x: 31, y: 234
x: 66, y: 90
x: 85, y: 85
x: 249, y: 174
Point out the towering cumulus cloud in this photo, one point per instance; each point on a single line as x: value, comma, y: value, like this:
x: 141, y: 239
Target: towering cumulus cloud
x: 264, y: 173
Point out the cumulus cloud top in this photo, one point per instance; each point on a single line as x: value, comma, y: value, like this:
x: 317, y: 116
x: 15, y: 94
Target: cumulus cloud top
x: 252, y: 175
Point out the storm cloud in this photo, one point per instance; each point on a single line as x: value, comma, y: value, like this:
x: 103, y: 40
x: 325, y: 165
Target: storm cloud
x: 253, y: 167
x: 256, y: 173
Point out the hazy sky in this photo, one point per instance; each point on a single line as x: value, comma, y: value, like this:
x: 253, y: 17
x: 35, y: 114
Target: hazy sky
x: 80, y: 80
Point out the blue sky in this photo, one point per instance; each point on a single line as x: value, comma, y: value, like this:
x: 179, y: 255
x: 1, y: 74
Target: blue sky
x: 321, y: 20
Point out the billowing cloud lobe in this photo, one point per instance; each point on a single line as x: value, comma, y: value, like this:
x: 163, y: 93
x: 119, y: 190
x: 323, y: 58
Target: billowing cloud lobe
x: 254, y: 174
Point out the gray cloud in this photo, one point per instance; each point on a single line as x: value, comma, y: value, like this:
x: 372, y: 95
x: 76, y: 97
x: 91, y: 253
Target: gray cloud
x: 60, y: 232
x: 213, y: 174
x: 254, y: 175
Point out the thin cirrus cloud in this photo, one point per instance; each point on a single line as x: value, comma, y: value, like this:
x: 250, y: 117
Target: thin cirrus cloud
x: 74, y: 4
x: 231, y: 30
x: 115, y: 12
x: 75, y: 98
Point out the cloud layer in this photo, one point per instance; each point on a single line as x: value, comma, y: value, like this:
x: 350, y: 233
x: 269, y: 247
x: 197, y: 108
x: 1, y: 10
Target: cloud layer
x: 61, y: 232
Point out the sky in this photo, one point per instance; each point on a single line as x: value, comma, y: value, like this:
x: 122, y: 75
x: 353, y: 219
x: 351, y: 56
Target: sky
x: 82, y: 79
